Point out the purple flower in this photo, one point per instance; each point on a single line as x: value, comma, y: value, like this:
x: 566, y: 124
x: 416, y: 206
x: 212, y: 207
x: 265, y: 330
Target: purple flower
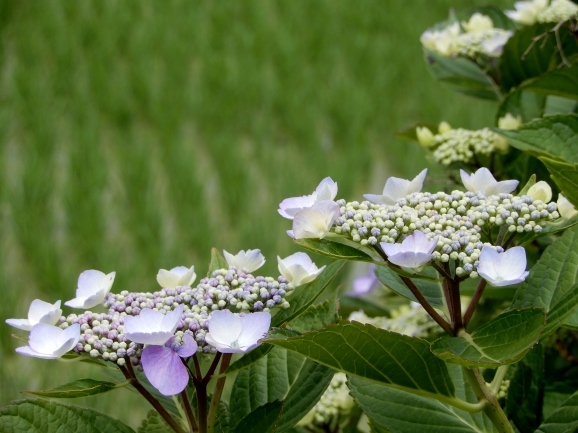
x: 152, y: 327
x: 414, y: 252
x: 365, y: 283
x: 503, y: 269
x: 229, y: 333
x: 163, y: 366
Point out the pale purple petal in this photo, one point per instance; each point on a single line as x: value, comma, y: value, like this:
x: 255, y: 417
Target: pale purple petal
x: 23, y: 324
x: 290, y: 206
x: 50, y: 342
x: 93, y: 281
x: 188, y: 348
x: 364, y: 284
x: 503, y: 187
x: 171, y: 319
x: 255, y: 326
x: 164, y: 369
x: 224, y: 326
x: 502, y: 269
x: 379, y: 199
x: 44, y: 312
x: 222, y: 347
x: 248, y: 261
x: 326, y: 190
x: 152, y: 327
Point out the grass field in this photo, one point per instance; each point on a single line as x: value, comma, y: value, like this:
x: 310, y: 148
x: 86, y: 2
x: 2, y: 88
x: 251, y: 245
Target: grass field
x: 137, y: 135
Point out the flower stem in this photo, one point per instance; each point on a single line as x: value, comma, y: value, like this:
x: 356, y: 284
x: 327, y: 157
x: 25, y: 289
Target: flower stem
x: 216, y: 398
x: 493, y: 410
x: 474, y: 301
x: 201, y: 388
x: 189, y: 411
x: 130, y: 375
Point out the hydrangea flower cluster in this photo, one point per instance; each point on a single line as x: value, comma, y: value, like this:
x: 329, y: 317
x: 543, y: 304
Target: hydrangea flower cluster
x: 542, y: 11
x: 460, y: 145
x: 473, y: 38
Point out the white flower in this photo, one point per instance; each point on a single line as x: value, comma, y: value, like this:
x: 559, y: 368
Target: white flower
x: 39, y: 312
x: 326, y: 190
x: 444, y: 127
x: 483, y: 181
x: 540, y: 191
x: 559, y: 10
x: 229, y: 333
x: 151, y: 326
x: 443, y: 41
x: 414, y: 252
x: 396, y: 188
x: 503, y: 269
x: 246, y: 261
x: 93, y: 286
x: 49, y: 341
x: 180, y: 276
x: 493, y: 46
x: 565, y: 208
x: 526, y: 12
x: 509, y: 121
x: 478, y: 23
x: 298, y: 268
x: 316, y: 221
x: 424, y: 136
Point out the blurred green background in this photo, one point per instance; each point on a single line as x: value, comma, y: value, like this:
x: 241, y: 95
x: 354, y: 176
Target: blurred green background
x: 138, y: 135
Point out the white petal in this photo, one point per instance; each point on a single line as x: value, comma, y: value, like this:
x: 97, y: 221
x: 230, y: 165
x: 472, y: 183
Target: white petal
x: 503, y: 187
x: 565, y: 208
x: 255, y: 326
x: 247, y: 261
x: 290, y: 206
x: 396, y: 187
x: 23, y: 324
x: 540, y: 191
x: 326, y: 190
x: 224, y: 327
x: 379, y: 199
x: 167, y: 279
x: 316, y: 221
x: 93, y: 281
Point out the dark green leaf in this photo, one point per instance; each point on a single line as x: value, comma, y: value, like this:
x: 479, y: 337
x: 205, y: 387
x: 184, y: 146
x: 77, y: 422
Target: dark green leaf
x: 402, y: 412
x: 561, y: 82
x: 154, y: 423
x: 223, y: 421
x: 264, y: 419
x: 304, y: 296
x: 335, y: 250
x: 526, y: 57
x: 526, y: 391
x: 564, y: 419
x: 248, y: 359
x: 317, y: 316
x: 33, y: 416
x: 431, y: 290
x: 217, y: 262
x: 552, y: 282
x: 502, y: 340
x: 566, y: 177
x: 558, y: 105
x: 527, y: 105
x: 375, y: 354
x: 78, y: 388
x: 462, y: 75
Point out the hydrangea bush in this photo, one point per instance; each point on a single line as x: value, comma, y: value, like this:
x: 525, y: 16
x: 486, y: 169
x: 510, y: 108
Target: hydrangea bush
x: 464, y: 321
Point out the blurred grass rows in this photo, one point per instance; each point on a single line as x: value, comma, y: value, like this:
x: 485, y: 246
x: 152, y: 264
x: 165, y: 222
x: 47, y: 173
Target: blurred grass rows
x: 137, y: 135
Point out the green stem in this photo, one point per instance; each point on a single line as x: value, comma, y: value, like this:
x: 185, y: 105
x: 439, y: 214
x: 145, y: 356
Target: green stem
x: 492, y: 410
x: 214, y: 407
x: 498, y: 378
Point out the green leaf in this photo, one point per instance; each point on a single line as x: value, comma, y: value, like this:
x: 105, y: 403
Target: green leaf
x: 564, y: 419
x: 566, y: 177
x: 310, y: 385
x: 317, y: 316
x: 462, y: 75
x: 525, y: 394
x: 523, y: 58
x: 527, y: 105
x: 33, y: 416
x: 401, y: 412
x: 217, y: 262
x: 503, y: 340
x: 154, y: 423
x: 553, y: 136
x: 335, y: 250
x: 432, y: 291
x: 264, y: 419
x: 559, y: 105
x: 551, y: 284
x: 223, y: 421
x: 250, y: 358
x: 78, y: 388
x: 375, y: 354
x: 304, y: 296
x: 531, y: 182
x: 278, y: 376
x: 561, y: 82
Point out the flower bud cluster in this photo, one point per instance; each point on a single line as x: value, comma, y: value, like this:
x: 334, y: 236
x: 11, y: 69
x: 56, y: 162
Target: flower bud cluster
x: 460, y: 145
x: 104, y: 335
x: 558, y: 10
x: 334, y: 404
x: 407, y: 320
x: 460, y: 221
x: 488, y: 42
